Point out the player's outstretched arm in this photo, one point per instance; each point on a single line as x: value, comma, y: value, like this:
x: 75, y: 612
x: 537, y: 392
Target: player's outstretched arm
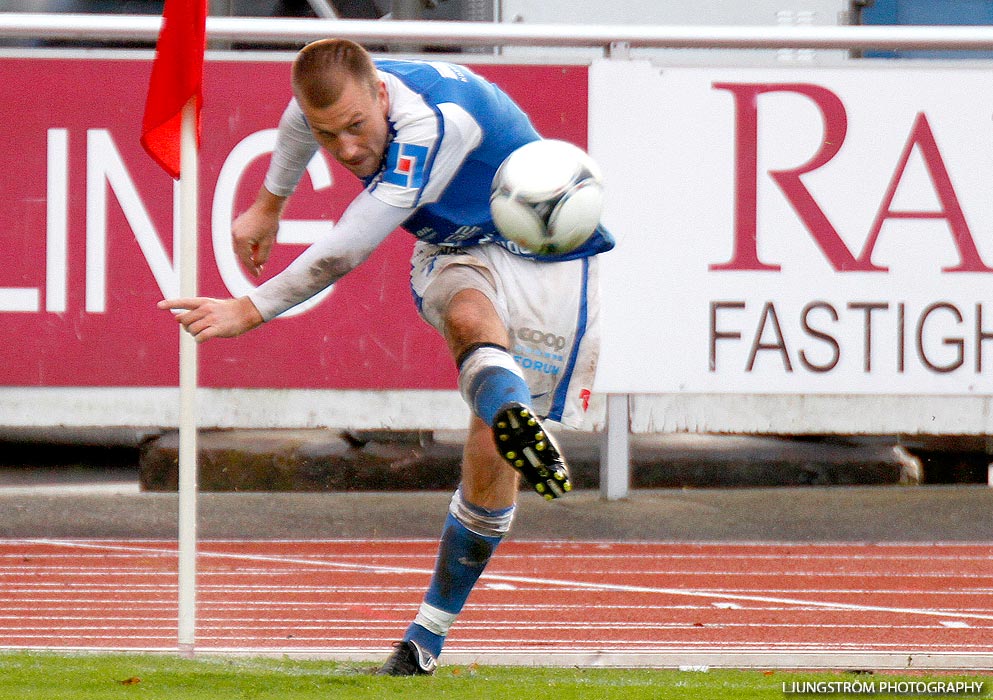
x: 254, y: 232
x: 362, y: 227
x: 205, y: 318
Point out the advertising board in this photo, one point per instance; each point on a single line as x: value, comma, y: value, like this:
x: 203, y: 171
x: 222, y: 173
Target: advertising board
x: 88, y: 232
x: 822, y: 231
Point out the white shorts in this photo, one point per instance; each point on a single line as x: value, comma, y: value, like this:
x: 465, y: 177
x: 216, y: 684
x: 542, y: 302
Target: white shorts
x: 551, y: 310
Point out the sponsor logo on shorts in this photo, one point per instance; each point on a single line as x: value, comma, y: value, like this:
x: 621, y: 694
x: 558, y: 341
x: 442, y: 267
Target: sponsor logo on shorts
x: 542, y: 366
x: 541, y: 338
x: 538, y: 350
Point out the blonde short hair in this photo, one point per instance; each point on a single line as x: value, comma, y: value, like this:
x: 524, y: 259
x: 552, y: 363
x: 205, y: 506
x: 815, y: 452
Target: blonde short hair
x: 322, y: 69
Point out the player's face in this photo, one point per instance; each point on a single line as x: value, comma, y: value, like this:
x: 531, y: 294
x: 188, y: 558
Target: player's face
x: 354, y: 130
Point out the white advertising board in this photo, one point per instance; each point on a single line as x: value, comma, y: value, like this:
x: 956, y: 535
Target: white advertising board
x: 783, y: 231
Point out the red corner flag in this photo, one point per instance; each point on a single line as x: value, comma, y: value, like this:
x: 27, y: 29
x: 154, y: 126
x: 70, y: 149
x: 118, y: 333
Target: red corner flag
x: 177, y: 76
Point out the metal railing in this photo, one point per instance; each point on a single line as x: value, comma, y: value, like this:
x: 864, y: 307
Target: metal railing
x: 294, y: 31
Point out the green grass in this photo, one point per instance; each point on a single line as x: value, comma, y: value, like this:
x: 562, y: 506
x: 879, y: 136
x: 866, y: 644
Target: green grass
x: 50, y: 676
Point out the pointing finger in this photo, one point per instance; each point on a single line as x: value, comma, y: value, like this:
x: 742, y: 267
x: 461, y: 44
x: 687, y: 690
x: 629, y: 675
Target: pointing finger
x: 188, y: 303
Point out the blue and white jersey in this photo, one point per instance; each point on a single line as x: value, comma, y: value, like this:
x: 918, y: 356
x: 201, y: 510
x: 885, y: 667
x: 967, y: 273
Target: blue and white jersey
x: 450, y: 131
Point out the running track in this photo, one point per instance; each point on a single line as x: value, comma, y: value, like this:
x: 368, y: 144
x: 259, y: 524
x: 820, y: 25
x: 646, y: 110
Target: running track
x: 596, y: 603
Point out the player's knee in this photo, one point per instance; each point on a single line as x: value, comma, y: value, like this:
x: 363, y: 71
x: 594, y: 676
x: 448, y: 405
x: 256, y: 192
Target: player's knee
x: 468, y: 315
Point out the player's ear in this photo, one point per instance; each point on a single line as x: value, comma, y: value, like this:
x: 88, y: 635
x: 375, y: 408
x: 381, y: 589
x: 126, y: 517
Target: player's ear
x: 383, y: 97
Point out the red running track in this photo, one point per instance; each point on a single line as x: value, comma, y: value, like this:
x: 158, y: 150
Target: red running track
x: 598, y: 603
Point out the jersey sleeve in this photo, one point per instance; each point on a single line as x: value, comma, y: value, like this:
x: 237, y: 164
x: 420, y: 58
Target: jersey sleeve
x: 362, y: 227
x: 430, y: 145
x: 295, y: 146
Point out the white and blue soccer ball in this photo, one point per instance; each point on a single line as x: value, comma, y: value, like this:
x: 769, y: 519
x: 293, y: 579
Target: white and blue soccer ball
x: 547, y: 197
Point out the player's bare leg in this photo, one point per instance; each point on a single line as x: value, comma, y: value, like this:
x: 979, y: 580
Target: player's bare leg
x: 482, y: 509
x: 487, y: 481
x: 493, y: 386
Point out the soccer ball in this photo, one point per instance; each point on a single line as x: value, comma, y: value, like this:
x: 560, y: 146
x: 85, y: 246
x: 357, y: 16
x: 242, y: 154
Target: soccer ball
x: 547, y: 197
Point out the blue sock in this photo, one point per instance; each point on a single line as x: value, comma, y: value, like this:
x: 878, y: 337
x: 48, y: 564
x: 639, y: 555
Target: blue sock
x: 462, y: 556
x: 492, y: 388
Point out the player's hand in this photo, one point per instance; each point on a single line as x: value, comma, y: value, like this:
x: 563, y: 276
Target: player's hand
x: 254, y: 231
x: 252, y: 235
x: 205, y: 318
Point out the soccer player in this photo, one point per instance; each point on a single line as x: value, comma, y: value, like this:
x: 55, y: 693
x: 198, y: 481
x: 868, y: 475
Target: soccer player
x: 426, y: 139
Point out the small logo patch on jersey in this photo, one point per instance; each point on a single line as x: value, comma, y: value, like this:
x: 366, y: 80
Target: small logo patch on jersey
x: 405, y: 165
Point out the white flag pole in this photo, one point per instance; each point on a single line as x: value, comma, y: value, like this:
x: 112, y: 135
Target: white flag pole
x: 188, y: 385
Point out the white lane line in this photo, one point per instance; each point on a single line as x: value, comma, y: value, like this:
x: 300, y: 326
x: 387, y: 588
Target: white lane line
x: 576, y: 558
x: 554, y: 583
x: 39, y: 588
x: 597, y: 549
x: 640, y: 556
x: 263, y: 626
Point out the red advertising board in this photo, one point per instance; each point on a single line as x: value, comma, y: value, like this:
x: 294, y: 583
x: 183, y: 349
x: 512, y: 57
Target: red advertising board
x: 87, y: 235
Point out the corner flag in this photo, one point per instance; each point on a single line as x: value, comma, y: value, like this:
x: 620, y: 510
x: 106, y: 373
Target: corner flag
x: 177, y: 77
x: 170, y: 132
